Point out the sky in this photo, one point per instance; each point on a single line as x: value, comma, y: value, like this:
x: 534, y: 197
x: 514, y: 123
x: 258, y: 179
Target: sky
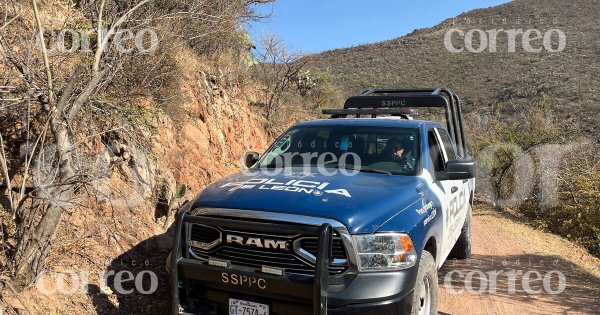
x: 312, y: 26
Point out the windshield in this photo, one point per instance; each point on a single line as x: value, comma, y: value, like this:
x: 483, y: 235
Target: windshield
x: 389, y: 150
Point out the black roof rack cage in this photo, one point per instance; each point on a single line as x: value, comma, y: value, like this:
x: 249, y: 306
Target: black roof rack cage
x: 395, y: 102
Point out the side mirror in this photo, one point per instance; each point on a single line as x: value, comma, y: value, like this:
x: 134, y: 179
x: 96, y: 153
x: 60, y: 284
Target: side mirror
x: 458, y: 169
x: 250, y: 158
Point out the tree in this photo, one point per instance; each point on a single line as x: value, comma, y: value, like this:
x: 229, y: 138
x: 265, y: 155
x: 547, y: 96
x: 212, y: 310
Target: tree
x: 58, y: 112
x: 49, y: 92
x: 278, y: 68
x: 318, y: 88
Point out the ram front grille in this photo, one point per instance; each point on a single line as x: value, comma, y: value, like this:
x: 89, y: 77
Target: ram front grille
x: 294, y: 253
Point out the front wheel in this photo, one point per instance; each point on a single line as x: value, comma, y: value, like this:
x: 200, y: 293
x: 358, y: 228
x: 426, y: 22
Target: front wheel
x: 425, y: 296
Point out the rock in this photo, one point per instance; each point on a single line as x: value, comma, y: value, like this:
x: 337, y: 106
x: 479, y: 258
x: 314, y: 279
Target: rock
x: 106, y: 290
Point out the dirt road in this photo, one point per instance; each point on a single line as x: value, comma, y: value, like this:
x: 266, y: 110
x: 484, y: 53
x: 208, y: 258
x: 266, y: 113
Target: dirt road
x: 501, y: 245
x: 504, y: 251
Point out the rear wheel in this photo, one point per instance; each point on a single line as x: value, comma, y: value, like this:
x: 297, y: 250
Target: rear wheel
x: 462, y: 248
x: 425, y: 296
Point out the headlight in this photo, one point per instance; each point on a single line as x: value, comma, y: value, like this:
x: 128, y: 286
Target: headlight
x: 385, y: 251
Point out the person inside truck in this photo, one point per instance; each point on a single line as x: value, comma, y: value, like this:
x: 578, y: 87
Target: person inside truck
x: 394, y: 149
x: 400, y: 152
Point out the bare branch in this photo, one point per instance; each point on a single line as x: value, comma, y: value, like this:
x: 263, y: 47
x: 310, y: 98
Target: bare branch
x: 68, y: 90
x: 9, y: 21
x: 22, y: 68
x: 41, y: 137
x: 49, y: 84
x: 84, y: 95
x: 4, y: 165
x: 102, y: 45
x: 99, y: 34
x: 14, y: 292
x: 278, y: 68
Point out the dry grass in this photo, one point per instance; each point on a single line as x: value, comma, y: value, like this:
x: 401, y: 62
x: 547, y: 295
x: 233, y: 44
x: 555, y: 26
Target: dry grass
x: 488, y: 81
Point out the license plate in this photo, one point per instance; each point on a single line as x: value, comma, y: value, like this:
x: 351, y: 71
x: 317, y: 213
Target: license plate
x: 241, y: 307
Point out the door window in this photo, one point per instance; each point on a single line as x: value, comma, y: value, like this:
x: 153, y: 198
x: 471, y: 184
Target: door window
x: 450, y: 153
x: 435, y: 154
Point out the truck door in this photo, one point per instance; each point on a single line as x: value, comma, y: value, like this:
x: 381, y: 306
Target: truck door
x: 454, y: 194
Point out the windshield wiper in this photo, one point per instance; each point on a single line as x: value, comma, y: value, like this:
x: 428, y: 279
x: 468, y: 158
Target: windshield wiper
x: 372, y: 170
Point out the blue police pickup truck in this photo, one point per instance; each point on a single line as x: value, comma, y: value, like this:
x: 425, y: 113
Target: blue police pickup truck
x: 348, y: 215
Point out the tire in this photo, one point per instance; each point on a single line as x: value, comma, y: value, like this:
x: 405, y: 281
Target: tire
x: 462, y: 248
x: 425, y: 296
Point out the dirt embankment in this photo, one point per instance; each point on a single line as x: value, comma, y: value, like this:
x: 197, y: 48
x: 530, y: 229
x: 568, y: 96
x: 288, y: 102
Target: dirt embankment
x: 119, y: 228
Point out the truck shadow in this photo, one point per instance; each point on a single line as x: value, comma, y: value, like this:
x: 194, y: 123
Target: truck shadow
x: 580, y: 293
x: 144, y: 285
x: 513, y: 279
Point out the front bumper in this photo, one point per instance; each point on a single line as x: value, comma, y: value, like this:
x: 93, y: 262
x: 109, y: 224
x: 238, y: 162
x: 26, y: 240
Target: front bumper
x: 200, y: 288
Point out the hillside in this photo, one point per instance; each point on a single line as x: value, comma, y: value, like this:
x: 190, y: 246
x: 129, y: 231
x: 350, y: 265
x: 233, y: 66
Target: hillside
x: 519, y: 106
x: 487, y: 81
x: 125, y: 225
x: 160, y: 127
x: 143, y: 132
